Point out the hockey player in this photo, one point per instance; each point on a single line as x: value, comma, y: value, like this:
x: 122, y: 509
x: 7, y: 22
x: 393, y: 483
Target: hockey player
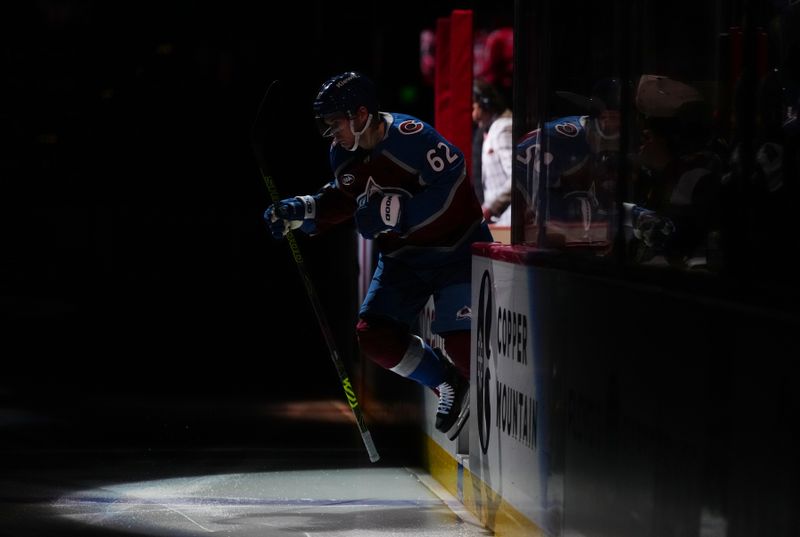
x: 676, y: 188
x: 407, y: 189
x: 570, y: 169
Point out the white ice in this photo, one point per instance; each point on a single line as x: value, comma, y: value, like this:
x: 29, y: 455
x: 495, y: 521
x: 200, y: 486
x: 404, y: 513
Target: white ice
x: 356, y: 502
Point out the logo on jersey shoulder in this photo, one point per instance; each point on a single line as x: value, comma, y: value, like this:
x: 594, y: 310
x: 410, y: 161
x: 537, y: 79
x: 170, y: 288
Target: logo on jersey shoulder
x: 567, y: 129
x: 464, y: 313
x: 347, y: 179
x: 410, y: 126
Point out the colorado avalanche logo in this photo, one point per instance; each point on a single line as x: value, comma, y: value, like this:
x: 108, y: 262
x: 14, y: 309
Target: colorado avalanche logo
x: 410, y: 126
x: 347, y: 179
x: 372, y: 188
x: 567, y: 129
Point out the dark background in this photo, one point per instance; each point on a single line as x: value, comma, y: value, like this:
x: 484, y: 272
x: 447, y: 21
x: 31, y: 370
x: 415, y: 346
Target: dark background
x: 131, y: 201
x: 134, y: 263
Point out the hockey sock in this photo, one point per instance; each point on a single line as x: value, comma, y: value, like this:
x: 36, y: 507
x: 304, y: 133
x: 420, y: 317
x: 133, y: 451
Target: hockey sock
x: 421, y: 364
x: 457, y: 345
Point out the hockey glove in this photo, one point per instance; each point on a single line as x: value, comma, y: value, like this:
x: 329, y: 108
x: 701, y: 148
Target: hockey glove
x: 380, y: 213
x: 289, y: 214
x: 652, y: 229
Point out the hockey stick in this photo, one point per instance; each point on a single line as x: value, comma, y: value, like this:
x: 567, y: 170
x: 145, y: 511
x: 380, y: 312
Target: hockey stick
x: 267, y: 105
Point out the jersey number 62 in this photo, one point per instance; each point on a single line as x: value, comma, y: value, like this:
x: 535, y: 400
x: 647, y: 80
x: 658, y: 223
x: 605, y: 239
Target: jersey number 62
x: 436, y: 162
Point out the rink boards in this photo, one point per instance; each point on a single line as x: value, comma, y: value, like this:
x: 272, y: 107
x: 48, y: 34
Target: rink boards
x: 603, y: 405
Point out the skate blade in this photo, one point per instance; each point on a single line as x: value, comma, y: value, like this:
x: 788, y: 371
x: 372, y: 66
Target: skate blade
x: 459, y: 424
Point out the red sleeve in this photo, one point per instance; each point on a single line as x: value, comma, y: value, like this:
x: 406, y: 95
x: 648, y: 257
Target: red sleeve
x: 333, y: 207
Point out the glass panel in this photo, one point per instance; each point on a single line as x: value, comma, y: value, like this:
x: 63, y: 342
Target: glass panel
x: 714, y: 113
x: 672, y: 211
x: 672, y: 123
x: 568, y: 161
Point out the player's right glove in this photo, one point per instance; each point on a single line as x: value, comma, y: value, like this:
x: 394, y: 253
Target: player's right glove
x: 289, y: 214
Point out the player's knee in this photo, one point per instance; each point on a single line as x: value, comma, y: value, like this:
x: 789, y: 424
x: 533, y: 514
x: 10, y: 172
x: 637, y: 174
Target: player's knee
x: 383, y: 341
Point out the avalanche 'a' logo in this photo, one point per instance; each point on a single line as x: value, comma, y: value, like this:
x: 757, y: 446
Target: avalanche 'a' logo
x: 372, y: 188
x: 410, y: 126
x: 567, y: 129
x: 348, y: 178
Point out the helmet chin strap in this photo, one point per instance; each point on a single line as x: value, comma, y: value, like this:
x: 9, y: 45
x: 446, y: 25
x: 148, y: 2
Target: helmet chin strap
x: 359, y: 133
x: 607, y: 142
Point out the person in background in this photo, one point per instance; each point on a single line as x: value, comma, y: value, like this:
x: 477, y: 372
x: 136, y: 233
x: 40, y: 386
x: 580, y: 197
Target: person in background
x: 675, y: 209
x: 496, y: 64
x: 570, y: 168
x: 494, y: 122
x: 406, y: 187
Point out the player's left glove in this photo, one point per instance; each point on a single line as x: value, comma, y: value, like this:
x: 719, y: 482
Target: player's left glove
x: 381, y: 213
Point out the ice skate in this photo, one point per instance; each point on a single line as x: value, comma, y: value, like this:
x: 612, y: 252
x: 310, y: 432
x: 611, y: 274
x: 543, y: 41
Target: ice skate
x: 453, y: 409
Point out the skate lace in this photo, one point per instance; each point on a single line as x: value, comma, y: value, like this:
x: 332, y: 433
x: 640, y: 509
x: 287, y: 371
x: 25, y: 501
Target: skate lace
x: 447, y: 395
